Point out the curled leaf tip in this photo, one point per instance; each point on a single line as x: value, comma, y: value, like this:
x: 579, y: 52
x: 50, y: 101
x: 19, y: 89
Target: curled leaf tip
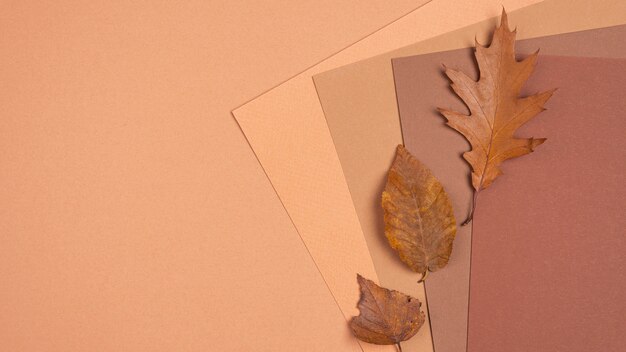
x: 424, y: 275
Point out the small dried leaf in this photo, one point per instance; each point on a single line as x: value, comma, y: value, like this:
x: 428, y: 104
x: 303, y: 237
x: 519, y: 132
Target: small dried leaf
x: 496, y: 108
x: 419, y: 220
x: 386, y: 317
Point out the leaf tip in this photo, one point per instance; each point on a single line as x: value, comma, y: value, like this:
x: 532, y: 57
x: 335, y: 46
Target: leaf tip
x: 504, y: 19
x: 424, y: 275
x: 477, y: 43
x: 442, y: 111
x: 535, y: 142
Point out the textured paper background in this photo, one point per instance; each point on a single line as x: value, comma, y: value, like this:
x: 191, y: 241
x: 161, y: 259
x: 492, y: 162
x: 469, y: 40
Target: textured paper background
x: 288, y: 132
x: 420, y: 88
x: 361, y: 109
x: 134, y: 216
x: 548, y: 252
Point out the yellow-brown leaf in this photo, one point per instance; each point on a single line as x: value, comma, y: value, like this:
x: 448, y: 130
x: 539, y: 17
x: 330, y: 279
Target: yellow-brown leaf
x: 496, y: 109
x: 386, y: 317
x: 419, y: 220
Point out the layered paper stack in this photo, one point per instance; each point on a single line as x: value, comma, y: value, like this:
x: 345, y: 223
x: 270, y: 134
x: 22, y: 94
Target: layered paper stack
x: 533, y: 247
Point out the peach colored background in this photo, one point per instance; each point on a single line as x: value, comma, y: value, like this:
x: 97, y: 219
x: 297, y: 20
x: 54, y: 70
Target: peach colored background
x: 134, y: 216
x: 288, y: 132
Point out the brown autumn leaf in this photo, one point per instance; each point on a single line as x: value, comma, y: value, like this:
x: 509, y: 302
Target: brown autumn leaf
x: 386, y: 317
x: 419, y: 221
x: 496, y: 109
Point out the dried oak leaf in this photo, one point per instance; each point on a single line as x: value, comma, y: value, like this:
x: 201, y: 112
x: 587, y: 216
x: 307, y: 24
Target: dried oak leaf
x: 419, y: 220
x: 386, y: 317
x: 496, y: 109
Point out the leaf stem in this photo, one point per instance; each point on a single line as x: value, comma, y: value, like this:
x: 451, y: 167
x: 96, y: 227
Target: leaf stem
x: 470, y: 217
x: 399, y: 347
x: 424, y: 275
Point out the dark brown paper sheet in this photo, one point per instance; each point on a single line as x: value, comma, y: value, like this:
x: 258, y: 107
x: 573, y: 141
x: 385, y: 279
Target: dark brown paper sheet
x: 421, y: 87
x: 547, y: 262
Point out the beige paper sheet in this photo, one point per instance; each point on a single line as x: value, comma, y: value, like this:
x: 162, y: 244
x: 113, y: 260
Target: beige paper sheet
x: 288, y: 132
x: 133, y: 214
x: 360, y: 107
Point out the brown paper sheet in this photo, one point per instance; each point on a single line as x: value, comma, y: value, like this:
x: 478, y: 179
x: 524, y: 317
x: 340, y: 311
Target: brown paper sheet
x: 288, y: 132
x: 361, y: 110
x: 420, y: 88
x: 548, y: 249
x: 133, y: 214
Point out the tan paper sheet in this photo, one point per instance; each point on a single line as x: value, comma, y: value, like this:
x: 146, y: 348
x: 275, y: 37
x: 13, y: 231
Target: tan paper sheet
x: 288, y: 133
x: 421, y: 86
x: 133, y: 214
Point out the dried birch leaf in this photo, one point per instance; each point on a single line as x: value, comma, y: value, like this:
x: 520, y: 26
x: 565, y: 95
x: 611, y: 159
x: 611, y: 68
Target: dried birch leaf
x: 419, y: 221
x: 496, y: 109
x: 386, y: 317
